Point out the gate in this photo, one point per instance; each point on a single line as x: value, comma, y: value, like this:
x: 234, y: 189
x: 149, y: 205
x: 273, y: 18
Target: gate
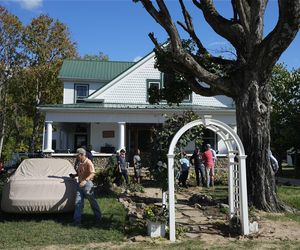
x: 237, y: 182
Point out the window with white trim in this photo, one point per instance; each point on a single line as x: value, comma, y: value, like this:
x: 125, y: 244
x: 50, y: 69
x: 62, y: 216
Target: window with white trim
x: 188, y: 99
x: 81, y: 92
x: 152, y: 84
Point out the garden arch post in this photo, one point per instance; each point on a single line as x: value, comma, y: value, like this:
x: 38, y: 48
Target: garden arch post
x: 237, y: 182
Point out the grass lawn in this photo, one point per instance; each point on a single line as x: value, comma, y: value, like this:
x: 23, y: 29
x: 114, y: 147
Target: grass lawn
x: 39, y: 231
x: 291, y: 196
x: 233, y: 245
x: 19, y: 231
x: 289, y: 172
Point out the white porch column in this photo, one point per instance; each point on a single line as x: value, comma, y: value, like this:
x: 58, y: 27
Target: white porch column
x: 43, y: 145
x: 48, y: 137
x: 121, y: 142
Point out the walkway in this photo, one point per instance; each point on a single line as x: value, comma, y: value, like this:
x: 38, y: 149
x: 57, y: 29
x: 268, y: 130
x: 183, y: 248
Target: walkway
x: 195, y: 213
x: 206, y: 219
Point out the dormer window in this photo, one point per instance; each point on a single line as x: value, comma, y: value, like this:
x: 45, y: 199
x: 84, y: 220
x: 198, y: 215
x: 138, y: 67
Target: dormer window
x: 81, y: 92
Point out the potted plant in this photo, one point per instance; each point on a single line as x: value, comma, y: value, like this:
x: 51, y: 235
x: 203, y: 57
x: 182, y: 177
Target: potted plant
x: 156, y: 217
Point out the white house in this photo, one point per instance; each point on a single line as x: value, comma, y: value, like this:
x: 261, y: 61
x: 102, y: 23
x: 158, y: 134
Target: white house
x: 106, y: 105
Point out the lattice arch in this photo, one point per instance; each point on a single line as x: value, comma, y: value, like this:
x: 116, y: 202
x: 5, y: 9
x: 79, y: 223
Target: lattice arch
x: 237, y: 182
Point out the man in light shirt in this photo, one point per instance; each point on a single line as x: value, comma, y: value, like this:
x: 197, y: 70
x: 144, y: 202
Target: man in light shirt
x: 85, y: 173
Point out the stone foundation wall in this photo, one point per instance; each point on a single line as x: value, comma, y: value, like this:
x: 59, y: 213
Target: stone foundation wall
x: 102, y: 161
x: 99, y: 161
x: 222, y: 163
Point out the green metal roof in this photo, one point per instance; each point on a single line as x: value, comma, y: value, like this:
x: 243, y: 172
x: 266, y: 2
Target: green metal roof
x: 92, y: 70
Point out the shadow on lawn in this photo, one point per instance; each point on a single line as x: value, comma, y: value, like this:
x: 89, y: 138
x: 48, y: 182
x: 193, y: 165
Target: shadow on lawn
x: 88, y: 220
x: 108, y: 221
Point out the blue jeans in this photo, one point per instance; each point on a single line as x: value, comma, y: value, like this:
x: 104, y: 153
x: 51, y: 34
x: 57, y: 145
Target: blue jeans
x: 88, y: 192
x: 200, y: 169
x: 125, y: 175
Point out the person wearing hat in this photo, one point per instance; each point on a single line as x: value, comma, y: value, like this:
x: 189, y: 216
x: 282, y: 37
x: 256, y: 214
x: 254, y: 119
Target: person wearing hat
x: 86, y: 173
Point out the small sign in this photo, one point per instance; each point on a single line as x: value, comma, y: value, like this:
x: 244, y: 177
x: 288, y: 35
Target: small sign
x: 108, y: 134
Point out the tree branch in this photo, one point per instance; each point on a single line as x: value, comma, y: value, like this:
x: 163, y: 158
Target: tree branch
x: 232, y: 31
x: 155, y: 42
x: 272, y: 46
x: 200, y: 90
x: 178, y: 53
x: 243, y: 10
x: 189, y: 28
x: 257, y: 13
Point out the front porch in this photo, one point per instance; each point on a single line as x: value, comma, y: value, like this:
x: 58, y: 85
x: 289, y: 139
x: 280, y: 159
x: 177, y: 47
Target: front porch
x: 108, y: 127
x: 105, y: 138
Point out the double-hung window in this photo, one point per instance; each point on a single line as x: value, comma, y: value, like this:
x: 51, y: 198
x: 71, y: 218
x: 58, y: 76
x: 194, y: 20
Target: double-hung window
x: 164, y: 76
x: 81, y: 92
x: 152, y: 85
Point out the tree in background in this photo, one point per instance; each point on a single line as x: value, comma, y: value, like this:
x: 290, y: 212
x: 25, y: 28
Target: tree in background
x: 47, y: 43
x: 244, y: 78
x: 99, y: 57
x: 11, y: 61
x: 30, y: 59
x: 285, y: 116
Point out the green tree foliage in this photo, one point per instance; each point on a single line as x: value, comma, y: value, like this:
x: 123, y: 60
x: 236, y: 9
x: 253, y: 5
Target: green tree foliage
x: 98, y: 57
x: 46, y: 43
x: 11, y: 60
x: 161, y: 141
x: 285, y: 116
x: 36, y: 53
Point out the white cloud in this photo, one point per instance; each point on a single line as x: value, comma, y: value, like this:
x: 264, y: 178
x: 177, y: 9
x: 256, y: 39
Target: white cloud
x: 137, y: 58
x: 30, y: 4
x: 218, y: 43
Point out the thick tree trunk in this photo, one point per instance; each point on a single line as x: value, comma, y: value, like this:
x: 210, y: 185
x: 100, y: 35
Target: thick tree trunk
x: 253, y: 122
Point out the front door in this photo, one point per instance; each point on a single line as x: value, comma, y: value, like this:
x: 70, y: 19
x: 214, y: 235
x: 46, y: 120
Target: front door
x: 139, y: 136
x: 80, y: 140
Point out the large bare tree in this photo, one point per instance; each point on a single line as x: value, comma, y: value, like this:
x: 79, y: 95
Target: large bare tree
x: 245, y: 78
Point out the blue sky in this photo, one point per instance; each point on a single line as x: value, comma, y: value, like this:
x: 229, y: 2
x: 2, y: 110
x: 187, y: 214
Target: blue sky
x: 120, y: 28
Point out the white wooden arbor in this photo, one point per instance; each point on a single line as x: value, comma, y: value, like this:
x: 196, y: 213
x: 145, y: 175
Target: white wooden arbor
x: 237, y: 182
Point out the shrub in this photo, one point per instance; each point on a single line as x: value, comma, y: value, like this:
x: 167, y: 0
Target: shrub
x: 156, y: 213
x: 221, y: 177
x: 105, y: 177
x: 161, y: 141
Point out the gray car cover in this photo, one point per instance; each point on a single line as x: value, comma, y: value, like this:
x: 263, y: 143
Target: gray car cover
x: 40, y: 186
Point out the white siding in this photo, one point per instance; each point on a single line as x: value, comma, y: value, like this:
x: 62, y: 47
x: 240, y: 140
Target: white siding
x: 214, y: 101
x: 133, y: 87
x: 97, y: 140
x: 94, y: 86
x: 69, y: 90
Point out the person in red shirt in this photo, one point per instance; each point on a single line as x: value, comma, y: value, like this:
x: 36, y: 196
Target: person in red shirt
x: 208, y: 161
